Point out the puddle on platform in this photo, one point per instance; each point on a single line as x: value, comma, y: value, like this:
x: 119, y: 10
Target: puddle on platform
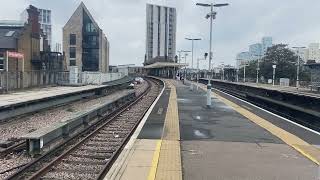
x: 184, y: 100
x: 201, y: 133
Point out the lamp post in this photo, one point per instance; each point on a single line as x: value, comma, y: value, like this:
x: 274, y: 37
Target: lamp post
x: 182, y: 51
x: 258, y: 69
x: 244, y: 72
x: 298, y: 65
x: 192, y: 40
x: 274, y: 73
x: 211, y: 15
x: 185, y: 68
x: 222, y: 65
x: 237, y: 74
x: 199, y: 59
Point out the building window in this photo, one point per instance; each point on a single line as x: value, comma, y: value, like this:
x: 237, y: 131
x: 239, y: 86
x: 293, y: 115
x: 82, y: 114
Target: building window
x: 1, y: 61
x: 90, y: 28
x: 72, y: 62
x: 73, y: 40
x: 72, y: 53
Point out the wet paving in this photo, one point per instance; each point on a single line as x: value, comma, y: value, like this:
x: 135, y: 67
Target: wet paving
x: 220, y: 123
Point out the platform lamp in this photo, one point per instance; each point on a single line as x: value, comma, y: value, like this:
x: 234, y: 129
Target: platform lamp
x: 212, y: 16
x: 298, y: 65
x: 182, y: 51
x: 274, y: 66
x: 192, y: 40
x: 198, y: 69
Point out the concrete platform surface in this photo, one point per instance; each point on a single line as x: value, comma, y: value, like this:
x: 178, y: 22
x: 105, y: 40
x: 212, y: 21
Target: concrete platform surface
x: 41, y: 93
x: 219, y: 160
x: 289, y: 89
x: 223, y: 142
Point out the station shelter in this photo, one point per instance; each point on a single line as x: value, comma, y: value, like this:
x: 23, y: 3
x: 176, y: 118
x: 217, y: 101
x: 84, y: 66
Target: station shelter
x: 164, y: 69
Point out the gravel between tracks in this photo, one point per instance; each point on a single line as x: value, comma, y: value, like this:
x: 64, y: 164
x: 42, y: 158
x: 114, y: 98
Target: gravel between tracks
x: 20, y: 126
x: 24, y: 125
x: 71, y: 168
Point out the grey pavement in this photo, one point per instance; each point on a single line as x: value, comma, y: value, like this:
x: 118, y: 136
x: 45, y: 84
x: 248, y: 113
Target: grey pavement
x: 219, y: 143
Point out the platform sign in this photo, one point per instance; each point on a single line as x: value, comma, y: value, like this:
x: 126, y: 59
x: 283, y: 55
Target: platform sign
x: 15, y: 55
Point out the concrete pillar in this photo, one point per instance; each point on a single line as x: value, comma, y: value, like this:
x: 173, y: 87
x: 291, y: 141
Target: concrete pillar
x: 85, y: 121
x: 65, y: 131
x: 34, y: 146
x: 73, y: 75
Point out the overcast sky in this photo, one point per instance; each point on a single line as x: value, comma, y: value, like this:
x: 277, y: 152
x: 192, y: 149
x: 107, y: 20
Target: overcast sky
x: 294, y: 22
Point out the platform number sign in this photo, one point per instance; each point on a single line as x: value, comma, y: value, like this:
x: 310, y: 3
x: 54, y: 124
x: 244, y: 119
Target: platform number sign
x: 1, y: 61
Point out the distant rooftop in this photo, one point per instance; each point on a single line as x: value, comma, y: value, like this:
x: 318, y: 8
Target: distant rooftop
x: 11, y: 23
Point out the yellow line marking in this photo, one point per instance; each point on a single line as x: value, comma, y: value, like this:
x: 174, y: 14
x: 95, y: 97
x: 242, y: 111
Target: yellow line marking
x: 169, y: 165
x: 155, y: 160
x: 306, y: 149
x: 166, y: 161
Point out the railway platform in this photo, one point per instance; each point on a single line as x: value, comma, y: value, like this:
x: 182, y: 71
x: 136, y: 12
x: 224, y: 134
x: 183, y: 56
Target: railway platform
x: 302, y: 91
x: 40, y: 93
x: 180, y: 138
x: 22, y: 102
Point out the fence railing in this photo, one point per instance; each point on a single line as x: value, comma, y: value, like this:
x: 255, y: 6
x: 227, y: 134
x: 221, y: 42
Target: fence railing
x: 18, y: 80
x: 10, y: 81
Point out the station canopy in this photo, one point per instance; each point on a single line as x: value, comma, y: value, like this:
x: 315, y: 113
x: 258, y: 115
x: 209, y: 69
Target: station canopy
x: 165, y: 64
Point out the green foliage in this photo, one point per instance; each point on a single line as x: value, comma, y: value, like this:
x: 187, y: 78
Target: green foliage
x: 286, y: 62
x: 251, y: 70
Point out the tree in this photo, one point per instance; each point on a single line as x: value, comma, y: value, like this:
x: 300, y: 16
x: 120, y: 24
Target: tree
x: 285, y: 60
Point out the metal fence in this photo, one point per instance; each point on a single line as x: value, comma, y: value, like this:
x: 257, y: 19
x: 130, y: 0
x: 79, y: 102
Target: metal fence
x: 10, y: 81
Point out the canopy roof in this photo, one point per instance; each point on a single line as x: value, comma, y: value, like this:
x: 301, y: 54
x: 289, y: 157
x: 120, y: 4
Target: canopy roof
x: 165, y: 64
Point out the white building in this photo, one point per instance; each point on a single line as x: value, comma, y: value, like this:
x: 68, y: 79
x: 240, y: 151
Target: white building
x: 256, y: 51
x: 314, y: 52
x: 243, y: 58
x: 45, y: 24
x: 302, y: 53
x: 161, y: 34
x: 310, y: 53
x: 266, y: 43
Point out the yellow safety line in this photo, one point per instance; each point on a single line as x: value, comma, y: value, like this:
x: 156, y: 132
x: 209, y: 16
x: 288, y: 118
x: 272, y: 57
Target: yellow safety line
x: 307, y: 150
x: 168, y: 133
x: 155, y: 160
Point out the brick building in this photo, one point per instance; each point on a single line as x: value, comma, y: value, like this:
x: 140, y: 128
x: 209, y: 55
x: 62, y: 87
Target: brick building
x: 24, y: 38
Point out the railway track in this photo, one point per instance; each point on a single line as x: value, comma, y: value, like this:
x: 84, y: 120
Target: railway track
x: 302, y: 116
x: 17, y: 146
x: 90, y: 154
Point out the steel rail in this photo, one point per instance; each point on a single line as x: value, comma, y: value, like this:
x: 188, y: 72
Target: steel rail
x: 97, y: 125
